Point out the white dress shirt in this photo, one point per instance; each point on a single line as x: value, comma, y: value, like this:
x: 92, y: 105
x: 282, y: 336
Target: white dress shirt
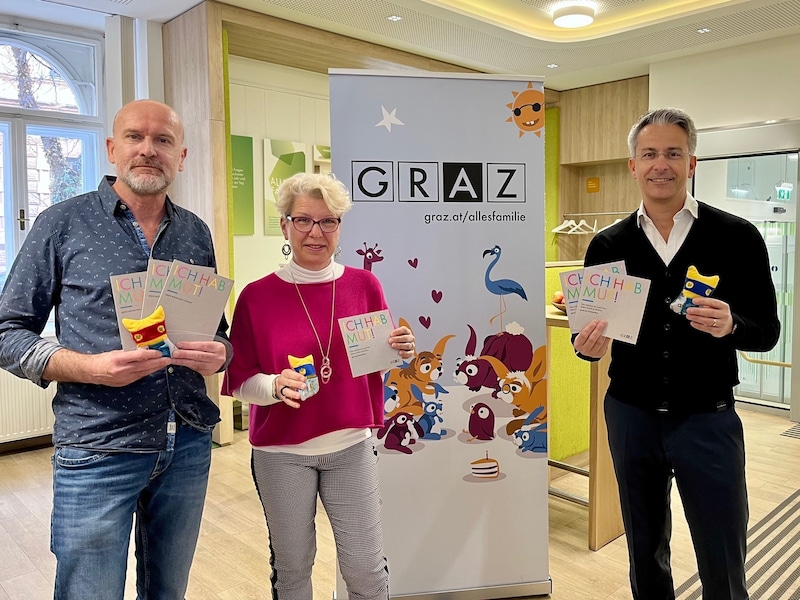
x: 681, y: 224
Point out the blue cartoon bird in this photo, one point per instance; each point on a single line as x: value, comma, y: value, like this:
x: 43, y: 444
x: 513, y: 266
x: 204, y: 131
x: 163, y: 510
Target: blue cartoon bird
x: 500, y: 287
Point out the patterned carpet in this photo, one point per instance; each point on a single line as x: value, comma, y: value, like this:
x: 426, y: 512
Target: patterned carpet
x: 793, y: 431
x: 773, y: 557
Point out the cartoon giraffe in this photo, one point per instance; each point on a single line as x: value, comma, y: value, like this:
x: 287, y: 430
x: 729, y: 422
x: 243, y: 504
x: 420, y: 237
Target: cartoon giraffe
x: 371, y: 255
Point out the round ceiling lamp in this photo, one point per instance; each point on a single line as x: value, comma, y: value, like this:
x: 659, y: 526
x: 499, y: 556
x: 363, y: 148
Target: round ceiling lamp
x: 578, y: 15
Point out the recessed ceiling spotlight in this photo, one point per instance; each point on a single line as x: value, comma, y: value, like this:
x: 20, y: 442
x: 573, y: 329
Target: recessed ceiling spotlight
x: 703, y: 30
x: 771, y: 121
x: 552, y: 66
x: 573, y: 15
x: 394, y: 18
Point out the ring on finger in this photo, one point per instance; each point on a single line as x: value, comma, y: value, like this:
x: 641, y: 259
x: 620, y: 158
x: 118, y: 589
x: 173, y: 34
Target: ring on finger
x: 280, y: 392
x: 714, y: 324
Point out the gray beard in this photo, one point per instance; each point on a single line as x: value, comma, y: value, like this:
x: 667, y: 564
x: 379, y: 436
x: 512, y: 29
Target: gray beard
x: 145, y: 185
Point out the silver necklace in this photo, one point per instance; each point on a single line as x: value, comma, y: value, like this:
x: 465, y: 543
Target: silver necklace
x: 325, y: 370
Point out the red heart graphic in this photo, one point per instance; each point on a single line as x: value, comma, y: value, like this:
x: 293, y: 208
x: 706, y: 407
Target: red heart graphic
x: 413, y: 262
x: 436, y: 295
x: 425, y: 322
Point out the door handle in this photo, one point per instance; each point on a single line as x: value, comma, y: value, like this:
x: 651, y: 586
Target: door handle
x: 22, y: 220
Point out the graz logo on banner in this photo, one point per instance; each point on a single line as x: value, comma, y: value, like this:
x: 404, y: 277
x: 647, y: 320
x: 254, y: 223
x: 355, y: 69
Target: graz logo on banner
x: 407, y: 181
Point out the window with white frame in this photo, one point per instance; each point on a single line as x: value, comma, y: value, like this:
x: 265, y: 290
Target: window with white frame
x: 51, y: 127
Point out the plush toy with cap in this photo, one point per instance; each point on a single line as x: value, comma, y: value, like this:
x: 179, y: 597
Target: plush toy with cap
x: 151, y: 332
x: 305, y: 366
x: 694, y: 286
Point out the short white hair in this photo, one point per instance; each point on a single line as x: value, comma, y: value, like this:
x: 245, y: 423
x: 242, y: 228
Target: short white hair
x: 322, y: 186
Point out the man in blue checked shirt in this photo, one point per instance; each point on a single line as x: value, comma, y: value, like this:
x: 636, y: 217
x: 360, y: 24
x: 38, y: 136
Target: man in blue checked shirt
x: 132, y: 429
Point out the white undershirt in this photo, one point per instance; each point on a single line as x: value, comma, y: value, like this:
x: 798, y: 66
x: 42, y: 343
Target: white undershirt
x: 681, y: 224
x: 258, y: 388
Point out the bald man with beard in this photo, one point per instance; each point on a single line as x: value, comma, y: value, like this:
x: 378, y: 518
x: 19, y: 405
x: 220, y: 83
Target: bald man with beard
x: 132, y: 432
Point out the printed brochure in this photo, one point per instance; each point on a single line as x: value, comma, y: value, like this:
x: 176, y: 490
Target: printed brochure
x: 366, y: 339
x: 606, y: 292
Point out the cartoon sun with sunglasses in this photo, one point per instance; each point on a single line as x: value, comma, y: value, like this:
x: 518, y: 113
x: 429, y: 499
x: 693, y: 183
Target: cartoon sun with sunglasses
x: 527, y: 111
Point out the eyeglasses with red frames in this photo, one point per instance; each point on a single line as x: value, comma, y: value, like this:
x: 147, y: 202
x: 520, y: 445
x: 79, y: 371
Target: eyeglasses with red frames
x: 306, y: 224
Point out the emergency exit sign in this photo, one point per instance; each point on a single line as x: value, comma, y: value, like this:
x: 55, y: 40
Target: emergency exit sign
x: 784, y: 193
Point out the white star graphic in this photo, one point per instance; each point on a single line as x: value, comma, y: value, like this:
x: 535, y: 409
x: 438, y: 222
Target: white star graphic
x: 388, y: 119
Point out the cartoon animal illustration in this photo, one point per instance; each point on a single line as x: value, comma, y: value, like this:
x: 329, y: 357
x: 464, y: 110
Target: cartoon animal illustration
x: 527, y: 111
x: 151, y: 332
x: 527, y: 391
x: 431, y: 420
x: 400, y: 432
x: 371, y: 255
x: 481, y: 422
x: 421, y: 372
x: 510, y: 347
x: 532, y: 438
x: 500, y: 287
x: 694, y: 286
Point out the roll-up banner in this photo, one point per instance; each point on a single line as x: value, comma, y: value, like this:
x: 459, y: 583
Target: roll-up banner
x: 446, y: 173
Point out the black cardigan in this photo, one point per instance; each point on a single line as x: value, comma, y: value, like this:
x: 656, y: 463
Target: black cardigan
x: 673, y: 366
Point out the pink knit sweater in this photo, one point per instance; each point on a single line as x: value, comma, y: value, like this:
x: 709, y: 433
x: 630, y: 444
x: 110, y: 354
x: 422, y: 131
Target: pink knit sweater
x: 269, y: 324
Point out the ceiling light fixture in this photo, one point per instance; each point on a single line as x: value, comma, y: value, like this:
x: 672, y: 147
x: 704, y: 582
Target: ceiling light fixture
x: 573, y: 15
x: 703, y: 30
x: 552, y: 66
x: 394, y: 18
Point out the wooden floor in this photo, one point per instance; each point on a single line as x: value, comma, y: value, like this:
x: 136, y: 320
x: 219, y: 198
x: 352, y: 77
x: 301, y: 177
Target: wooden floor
x: 232, y: 556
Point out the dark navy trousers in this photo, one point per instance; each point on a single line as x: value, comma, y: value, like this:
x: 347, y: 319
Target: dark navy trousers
x: 704, y: 453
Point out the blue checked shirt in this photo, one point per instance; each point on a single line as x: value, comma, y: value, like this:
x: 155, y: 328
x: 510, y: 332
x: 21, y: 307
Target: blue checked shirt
x: 65, y: 263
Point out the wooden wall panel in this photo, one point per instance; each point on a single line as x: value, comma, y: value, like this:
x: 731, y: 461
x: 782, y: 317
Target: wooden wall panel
x: 193, y: 86
x: 619, y: 195
x: 595, y: 120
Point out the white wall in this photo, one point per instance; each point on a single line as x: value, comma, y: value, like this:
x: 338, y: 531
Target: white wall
x: 735, y: 86
x: 274, y: 102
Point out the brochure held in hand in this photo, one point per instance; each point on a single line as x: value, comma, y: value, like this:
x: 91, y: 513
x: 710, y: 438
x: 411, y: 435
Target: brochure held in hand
x: 366, y: 339
x: 608, y: 293
x: 192, y: 297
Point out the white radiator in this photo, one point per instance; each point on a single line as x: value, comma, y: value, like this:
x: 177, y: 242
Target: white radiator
x: 25, y: 410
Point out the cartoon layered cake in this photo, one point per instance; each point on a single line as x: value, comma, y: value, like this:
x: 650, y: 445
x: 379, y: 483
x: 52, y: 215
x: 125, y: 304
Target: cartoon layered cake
x: 485, y: 468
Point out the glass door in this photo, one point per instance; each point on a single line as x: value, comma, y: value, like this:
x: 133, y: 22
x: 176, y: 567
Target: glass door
x: 762, y: 189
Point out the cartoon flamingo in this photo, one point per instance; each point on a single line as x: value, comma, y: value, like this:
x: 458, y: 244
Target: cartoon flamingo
x: 500, y: 287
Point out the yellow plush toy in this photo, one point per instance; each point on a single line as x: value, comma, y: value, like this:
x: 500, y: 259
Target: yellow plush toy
x: 305, y: 366
x: 694, y: 286
x: 151, y: 332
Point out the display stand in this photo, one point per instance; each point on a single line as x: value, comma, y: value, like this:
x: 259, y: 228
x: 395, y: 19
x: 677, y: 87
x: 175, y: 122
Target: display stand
x: 605, y: 518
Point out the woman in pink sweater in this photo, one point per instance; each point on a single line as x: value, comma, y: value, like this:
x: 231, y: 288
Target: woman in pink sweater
x: 311, y: 436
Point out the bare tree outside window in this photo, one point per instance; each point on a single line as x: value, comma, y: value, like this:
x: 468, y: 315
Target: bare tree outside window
x: 51, y: 124
x: 37, y: 81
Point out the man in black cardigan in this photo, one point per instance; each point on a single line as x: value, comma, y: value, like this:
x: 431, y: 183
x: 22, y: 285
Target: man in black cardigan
x: 669, y: 406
